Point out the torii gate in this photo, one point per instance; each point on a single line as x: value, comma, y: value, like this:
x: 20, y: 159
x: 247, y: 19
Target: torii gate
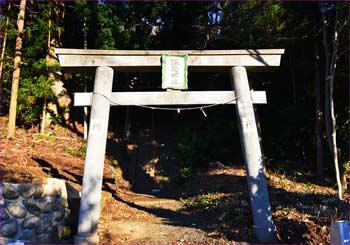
x: 105, y: 62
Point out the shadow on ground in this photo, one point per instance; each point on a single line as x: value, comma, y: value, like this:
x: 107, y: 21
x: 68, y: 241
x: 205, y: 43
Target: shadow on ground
x: 219, y: 205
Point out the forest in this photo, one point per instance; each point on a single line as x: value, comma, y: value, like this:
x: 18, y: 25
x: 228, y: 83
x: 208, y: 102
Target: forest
x: 304, y: 127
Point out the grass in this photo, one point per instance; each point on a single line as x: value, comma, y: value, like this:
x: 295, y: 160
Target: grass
x: 71, y: 151
x: 74, y: 152
x: 201, y: 201
x: 46, y: 137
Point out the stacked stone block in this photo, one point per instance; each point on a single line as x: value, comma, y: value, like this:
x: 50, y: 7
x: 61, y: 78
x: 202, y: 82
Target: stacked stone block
x: 34, y: 213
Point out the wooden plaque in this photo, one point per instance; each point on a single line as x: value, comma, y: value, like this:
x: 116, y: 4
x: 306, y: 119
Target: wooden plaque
x: 174, y: 72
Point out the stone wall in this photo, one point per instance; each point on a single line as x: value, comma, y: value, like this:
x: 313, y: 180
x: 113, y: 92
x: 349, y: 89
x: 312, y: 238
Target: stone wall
x: 35, y: 213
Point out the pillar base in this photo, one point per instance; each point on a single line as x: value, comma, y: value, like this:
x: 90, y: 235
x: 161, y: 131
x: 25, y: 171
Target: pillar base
x: 88, y: 239
x: 265, y: 233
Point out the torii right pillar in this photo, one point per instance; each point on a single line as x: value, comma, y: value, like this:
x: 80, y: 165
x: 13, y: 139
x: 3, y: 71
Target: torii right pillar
x: 264, y: 228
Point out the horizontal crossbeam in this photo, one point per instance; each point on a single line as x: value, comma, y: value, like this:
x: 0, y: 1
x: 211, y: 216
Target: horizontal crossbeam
x: 169, y: 98
x: 73, y: 60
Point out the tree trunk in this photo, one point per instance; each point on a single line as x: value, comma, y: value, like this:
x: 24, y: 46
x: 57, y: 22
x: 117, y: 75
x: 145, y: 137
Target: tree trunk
x: 43, y: 121
x: 332, y: 117
x: 330, y: 66
x: 16, y: 71
x: 318, y: 108
x: 46, y: 116
x: 318, y: 116
x: 3, y: 54
x: 292, y: 77
x: 60, y: 93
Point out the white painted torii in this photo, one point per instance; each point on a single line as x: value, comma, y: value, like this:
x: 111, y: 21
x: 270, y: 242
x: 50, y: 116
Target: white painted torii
x: 105, y: 62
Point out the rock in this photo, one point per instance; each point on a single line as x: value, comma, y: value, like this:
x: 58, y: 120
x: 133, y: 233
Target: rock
x: 55, y: 224
x: 51, y: 229
x: 67, y: 215
x: 28, y: 235
x: 64, y: 232
x: 46, y: 203
x: 30, y: 222
x: 9, y: 191
x: 57, y: 203
x: 59, y: 214
x: 44, y: 238
x: 3, y: 214
x: 39, y: 190
x: 8, y: 228
x: 63, y: 203
x: 16, y: 210
x: 2, y: 199
x: 26, y: 190
x: 54, y: 235
x: 4, y: 240
x: 44, y: 224
x: 30, y: 190
x: 32, y: 207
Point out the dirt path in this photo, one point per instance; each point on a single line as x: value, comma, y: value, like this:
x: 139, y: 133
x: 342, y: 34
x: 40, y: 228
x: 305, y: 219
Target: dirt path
x: 154, y: 220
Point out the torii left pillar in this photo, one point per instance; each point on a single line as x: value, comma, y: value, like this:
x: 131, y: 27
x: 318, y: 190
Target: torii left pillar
x: 94, y: 160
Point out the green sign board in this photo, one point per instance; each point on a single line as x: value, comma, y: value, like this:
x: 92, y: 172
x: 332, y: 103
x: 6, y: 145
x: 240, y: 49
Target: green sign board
x: 174, y: 71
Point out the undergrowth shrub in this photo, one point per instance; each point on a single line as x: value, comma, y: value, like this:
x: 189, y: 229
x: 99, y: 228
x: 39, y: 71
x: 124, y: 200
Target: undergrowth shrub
x: 202, y: 142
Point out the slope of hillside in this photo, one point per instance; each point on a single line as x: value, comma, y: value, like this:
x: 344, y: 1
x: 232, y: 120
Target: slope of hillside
x: 211, y: 207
